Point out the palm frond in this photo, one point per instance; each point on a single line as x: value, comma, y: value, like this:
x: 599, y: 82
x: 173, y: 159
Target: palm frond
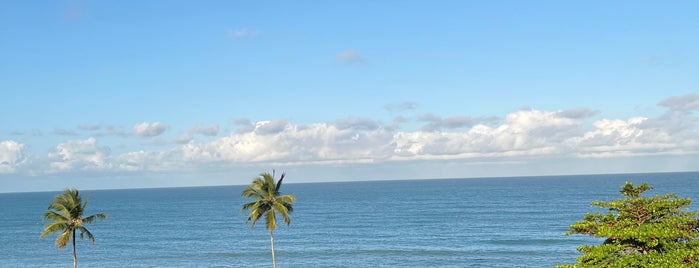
x: 289, y: 207
x: 255, y: 215
x: 279, y: 184
x: 60, y: 207
x: 269, y: 185
x: 54, y: 227
x: 283, y: 211
x: 72, y: 197
x: 64, y: 238
x: 287, y: 199
x: 94, y: 217
x: 253, y: 192
x: 271, y: 219
x: 85, y: 232
x: 55, y: 216
x: 84, y: 203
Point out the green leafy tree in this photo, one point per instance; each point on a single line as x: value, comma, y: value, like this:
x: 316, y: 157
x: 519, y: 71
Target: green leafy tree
x: 268, y: 203
x: 640, y: 231
x: 66, y: 216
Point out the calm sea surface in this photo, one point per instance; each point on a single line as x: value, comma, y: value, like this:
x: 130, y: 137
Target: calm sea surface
x: 493, y: 222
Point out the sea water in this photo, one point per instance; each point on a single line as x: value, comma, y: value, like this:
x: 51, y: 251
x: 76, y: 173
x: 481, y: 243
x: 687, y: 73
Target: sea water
x: 486, y: 222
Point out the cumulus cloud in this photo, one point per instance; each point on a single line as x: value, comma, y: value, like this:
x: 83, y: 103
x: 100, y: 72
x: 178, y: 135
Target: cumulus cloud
x: 12, y: 155
x: 150, y: 161
x: 351, y: 140
x: 350, y: 56
x: 270, y: 127
x: 315, y: 143
x: 149, y: 129
x: 518, y: 136
x: 611, y: 135
x: 79, y: 155
x: 524, y: 133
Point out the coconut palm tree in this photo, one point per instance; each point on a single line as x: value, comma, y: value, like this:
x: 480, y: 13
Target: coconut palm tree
x: 268, y: 202
x: 66, y: 216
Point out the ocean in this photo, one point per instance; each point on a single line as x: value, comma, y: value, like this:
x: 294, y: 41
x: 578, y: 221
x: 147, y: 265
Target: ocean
x: 485, y: 222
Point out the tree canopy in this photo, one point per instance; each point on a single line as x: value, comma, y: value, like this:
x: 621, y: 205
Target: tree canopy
x: 640, y: 231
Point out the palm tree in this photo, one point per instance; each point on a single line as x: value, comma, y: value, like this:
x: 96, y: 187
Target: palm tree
x: 66, y: 216
x: 268, y: 202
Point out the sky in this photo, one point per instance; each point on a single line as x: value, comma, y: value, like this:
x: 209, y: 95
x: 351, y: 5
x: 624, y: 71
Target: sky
x: 129, y: 94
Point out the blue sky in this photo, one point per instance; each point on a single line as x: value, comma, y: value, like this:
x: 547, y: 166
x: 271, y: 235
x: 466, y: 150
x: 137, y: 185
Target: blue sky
x: 120, y: 94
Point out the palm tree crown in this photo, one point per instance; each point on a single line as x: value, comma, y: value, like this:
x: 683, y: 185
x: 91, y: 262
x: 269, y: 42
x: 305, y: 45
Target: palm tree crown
x: 66, y: 216
x: 268, y: 201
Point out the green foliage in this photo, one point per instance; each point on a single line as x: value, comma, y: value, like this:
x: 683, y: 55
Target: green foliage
x: 267, y: 201
x: 65, y: 214
x: 640, y: 232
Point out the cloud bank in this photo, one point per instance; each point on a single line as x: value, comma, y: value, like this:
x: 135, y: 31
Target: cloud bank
x: 520, y: 136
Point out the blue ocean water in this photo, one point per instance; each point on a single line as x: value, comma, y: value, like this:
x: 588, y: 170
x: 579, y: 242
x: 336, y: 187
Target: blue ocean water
x: 489, y: 222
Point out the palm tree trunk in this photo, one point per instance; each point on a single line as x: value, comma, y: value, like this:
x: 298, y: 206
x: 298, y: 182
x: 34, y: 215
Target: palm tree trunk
x: 271, y: 240
x: 75, y: 256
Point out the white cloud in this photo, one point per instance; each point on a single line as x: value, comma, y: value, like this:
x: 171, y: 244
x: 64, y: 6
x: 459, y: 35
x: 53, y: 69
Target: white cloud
x: 12, y: 155
x: 79, y: 155
x: 315, y: 143
x: 350, y: 56
x: 149, y: 129
x: 148, y: 161
x: 270, y: 127
x: 518, y: 137
x: 352, y: 140
x: 524, y: 133
x: 637, y: 136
